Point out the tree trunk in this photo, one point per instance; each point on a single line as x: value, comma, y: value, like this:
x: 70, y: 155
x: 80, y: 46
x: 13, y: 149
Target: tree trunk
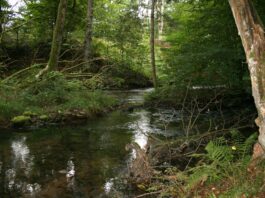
x: 89, y: 31
x: 17, y: 38
x: 251, y: 31
x: 152, y: 42
x: 1, y: 20
x: 1, y: 26
x: 57, y: 39
x: 161, y: 19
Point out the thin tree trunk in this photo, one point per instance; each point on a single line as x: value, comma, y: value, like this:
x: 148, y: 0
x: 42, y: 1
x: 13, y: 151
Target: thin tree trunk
x: 17, y: 38
x: 1, y: 20
x: 57, y: 36
x: 1, y: 26
x: 251, y: 31
x: 89, y: 32
x: 161, y: 19
x: 152, y: 42
x: 57, y: 39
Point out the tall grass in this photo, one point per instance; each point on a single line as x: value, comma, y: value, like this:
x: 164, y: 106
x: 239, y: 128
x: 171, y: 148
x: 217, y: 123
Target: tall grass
x: 52, y: 93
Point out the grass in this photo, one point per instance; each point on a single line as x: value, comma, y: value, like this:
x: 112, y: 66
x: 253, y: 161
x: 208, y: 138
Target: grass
x: 51, y: 94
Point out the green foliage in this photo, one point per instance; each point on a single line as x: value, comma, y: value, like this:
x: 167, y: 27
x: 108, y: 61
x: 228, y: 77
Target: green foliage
x: 20, y: 119
x: 204, y: 45
x: 171, y: 95
x: 223, y: 167
x: 56, y: 91
x: 118, y: 32
x: 9, y: 105
x: 53, y: 89
x: 113, y: 77
x: 93, y: 102
x: 224, y: 160
x: 10, y: 108
x: 51, y: 94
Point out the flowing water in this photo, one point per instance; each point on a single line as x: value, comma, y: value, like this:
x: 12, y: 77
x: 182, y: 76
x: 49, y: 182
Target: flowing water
x: 80, y: 161
x: 76, y: 161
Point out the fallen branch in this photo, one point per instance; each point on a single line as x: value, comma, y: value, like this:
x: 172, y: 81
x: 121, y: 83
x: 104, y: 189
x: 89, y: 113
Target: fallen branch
x: 20, y: 72
x: 148, y: 194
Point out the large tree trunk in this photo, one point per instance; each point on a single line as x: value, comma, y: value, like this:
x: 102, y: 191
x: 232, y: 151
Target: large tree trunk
x: 89, y: 32
x: 57, y: 39
x: 152, y: 42
x: 251, y: 31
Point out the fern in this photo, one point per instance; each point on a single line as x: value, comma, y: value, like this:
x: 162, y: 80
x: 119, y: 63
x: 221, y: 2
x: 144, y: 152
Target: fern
x: 218, y: 151
x: 223, y: 159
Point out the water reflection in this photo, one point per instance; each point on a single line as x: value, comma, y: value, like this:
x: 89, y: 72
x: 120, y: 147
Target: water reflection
x: 21, y: 156
x: 73, y: 161
x: 20, y: 150
x: 10, y: 178
x: 20, y: 168
x: 70, y: 169
x: 140, y: 128
x: 108, y: 186
x: 131, y: 96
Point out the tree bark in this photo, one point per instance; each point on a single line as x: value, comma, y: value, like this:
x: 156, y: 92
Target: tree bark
x: 57, y: 39
x: 161, y: 19
x: 152, y: 42
x: 89, y: 32
x: 1, y: 20
x: 251, y: 31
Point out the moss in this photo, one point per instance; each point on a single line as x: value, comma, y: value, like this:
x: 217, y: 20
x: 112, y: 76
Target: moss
x: 44, y: 117
x: 29, y: 113
x: 20, y: 120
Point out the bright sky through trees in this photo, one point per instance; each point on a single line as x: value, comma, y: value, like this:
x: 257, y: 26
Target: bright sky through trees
x: 15, y: 4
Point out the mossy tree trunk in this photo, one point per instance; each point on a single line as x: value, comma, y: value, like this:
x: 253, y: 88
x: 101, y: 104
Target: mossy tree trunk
x: 251, y: 31
x: 152, y: 42
x: 89, y: 32
x: 57, y: 39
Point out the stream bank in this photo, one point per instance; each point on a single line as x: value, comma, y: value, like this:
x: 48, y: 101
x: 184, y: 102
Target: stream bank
x: 90, y: 160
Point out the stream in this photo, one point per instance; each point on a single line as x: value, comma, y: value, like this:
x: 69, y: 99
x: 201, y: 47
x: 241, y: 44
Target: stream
x: 84, y: 160
x: 77, y: 161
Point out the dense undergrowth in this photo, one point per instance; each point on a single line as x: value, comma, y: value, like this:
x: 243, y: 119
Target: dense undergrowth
x: 223, y: 169
x: 118, y: 75
x: 214, y: 164
x: 75, y: 87
x: 52, y: 94
x: 176, y: 96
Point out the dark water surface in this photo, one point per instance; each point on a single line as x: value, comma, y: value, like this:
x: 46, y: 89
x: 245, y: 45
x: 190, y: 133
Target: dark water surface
x: 81, y: 161
x: 74, y: 161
